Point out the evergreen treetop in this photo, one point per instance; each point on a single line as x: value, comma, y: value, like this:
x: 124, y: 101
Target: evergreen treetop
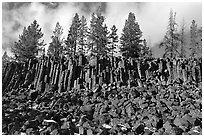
x: 55, y: 48
x: 29, y: 44
x: 131, y: 38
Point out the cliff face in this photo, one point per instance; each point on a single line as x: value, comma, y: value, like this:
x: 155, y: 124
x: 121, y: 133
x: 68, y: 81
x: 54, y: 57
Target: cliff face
x: 65, y: 74
x: 159, y: 97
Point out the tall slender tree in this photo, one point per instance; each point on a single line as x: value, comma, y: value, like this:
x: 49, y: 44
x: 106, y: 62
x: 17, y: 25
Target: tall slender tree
x: 131, y: 38
x: 55, y: 48
x: 183, y: 41
x: 92, y: 33
x: 103, y: 41
x: 113, y: 40
x: 5, y: 59
x: 83, y: 34
x: 194, y: 44
x: 98, y: 35
x: 171, y: 39
x: 145, y: 50
x: 29, y: 43
x: 199, y: 41
x: 72, y: 38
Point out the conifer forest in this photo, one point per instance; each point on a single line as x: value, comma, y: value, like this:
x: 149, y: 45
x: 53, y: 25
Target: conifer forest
x: 96, y: 81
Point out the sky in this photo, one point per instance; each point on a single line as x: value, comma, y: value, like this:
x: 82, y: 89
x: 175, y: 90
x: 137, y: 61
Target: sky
x: 151, y: 16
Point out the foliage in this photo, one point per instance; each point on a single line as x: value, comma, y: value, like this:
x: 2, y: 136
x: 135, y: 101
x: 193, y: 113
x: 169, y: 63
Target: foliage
x: 29, y: 44
x: 199, y: 41
x: 145, y: 50
x: 83, y: 34
x: 55, y: 48
x: 171, y: 39
x: 131, y: 38
x: 97, y: 39
x: 98, y: 35
x: 182, y: 40
x: 71, y: 41
x: 5, y: 60
x: 113, y: 40
x: 193, y: 30
x: 196, y: 40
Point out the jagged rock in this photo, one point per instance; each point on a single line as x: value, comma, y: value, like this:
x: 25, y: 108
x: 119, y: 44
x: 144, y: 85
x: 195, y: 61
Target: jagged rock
x: 140, y: 129
x: 143, y: 109
x: 33, y: 95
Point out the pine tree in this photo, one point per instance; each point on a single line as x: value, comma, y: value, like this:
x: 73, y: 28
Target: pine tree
x: 98, y: 35
x: 113, y: 39
x: 194, y: 44
x: 72, y: 38
x: 103, y: 41
x: 131, y: 38
x: 5, y: 59
x: 199, y: 41
x: 55, y: 48
x: 83, y: 33
x: 182, y: 40
x: 5, y: 56
x: 146, y: 52
x: 29, y: 44
x: 171, y: 39
x: 92, y: 33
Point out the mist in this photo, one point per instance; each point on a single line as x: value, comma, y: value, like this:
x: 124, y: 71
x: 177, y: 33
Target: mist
x: 151, y: 16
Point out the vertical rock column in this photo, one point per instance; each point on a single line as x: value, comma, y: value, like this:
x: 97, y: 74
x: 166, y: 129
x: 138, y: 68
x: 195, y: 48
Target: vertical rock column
x: 130, y: 71
x: 53, y: 74
x: 184, y: 73
x: 77, y: 72
x: 111, y: 70
x: 175, y: 75
x: 115, y: 67
x: 37, y: 70
x: 47, y: 71
x: 41, y: 83
x: 87, y: 75
x: 100, y: 75
x: 71, y: 67
x: 80, y: 80
x: 161, y: 69
x: 11, y: 78
x: 18, y: 76
x: 57, y: 74
x: 28, y: 77
x: 107, y: 74
x: 33, y: 73
x: 4, y: 70
x: 169, y: 70
x: 42, y: 71
x: 61, y: 78
x: 66, y: 74
x: 93, y: 78
x: 179, y: 69
x: 139, y: 69
x: 51, y: 71
x: 199, y: 70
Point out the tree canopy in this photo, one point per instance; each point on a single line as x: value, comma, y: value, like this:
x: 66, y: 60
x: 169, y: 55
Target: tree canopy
x: 97, y: 38
x: 29, y: 43
x: 171, y: 39
x: 131, y: 38
x: 55, y: 48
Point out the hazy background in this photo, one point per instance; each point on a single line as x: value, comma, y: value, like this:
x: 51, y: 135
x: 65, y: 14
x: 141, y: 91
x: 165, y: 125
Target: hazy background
x: 151, y: 16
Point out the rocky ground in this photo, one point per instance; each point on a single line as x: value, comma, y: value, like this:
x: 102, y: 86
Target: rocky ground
x: 153, y: 109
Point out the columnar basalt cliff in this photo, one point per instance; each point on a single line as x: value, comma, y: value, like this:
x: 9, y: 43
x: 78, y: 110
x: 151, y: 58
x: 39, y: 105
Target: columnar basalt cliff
x: 82, y: 72
x: 102, y: 96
